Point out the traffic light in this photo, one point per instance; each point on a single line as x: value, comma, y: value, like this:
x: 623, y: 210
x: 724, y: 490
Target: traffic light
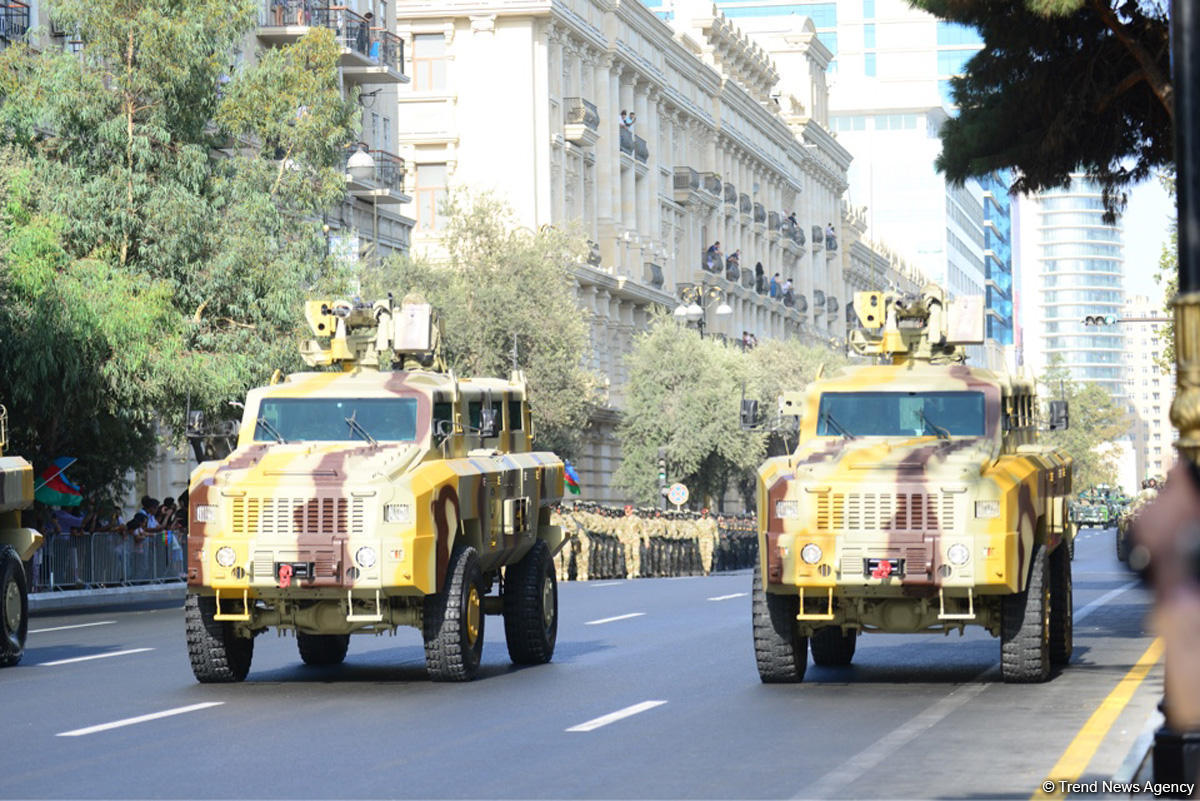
x: 662, y: 467
x: 1100, y: 319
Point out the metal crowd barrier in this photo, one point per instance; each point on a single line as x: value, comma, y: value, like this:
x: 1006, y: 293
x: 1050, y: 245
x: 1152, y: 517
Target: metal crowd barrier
x: 67, y: 561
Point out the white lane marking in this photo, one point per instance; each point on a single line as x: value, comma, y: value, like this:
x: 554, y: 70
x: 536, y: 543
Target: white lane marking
x: 613, y: 717
x: 116, y: 724
x: 611, y: 619
x: 832, y: 784
x: 727, y: 597
x: 94, y: 656
x: 607, y: 584
x: 75, y: 626
x: 1102, y: 600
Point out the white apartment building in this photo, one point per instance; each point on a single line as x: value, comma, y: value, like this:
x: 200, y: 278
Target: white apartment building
x: 526, y: 101
x: 1072, y: 266
x: 1149, y: 390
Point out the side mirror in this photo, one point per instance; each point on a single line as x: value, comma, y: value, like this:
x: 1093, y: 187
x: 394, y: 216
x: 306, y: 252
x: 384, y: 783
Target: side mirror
x: 749, y: 413
x: 1060, y: 419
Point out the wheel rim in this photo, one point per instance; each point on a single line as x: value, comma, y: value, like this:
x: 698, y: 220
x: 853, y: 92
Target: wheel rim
x: 548, y: 602
x: 12, y: 607
x: 473, y: 615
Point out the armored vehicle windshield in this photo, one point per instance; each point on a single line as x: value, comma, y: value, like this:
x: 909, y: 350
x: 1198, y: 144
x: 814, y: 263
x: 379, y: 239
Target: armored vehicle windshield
x: 901, y: 414
x: 338, y: 419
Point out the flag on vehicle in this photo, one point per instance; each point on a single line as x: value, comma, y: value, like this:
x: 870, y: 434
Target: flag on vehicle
x: 54, y: 488
x: 571, y: 478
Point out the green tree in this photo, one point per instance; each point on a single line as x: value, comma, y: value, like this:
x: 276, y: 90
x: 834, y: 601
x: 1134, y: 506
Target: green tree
x: 161, y: 224
x: 683, y: 395
x: 1061, y: 86
x: 1096, y: 420
x: 500, y: 286
x: 779, y: 365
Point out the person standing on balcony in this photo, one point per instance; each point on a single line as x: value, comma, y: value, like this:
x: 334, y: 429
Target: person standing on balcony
x: 788, y: 300
x: 759, y: 277
x: 830, y: 237
x: 711, y: 255
x: 628, y: 118
x: 774, y: 286
x: 792, y: 219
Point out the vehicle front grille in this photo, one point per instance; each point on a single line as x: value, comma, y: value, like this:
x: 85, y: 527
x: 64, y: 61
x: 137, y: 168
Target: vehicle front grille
x: 885, y: 511
x: 297, y: 517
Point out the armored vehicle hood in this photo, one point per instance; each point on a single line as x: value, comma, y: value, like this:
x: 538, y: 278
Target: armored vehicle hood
x: 316, y: 463
x: 959, y: 458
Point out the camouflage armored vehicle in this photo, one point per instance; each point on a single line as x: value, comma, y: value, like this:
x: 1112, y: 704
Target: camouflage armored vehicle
x: 917, y: 500
x: 1091, y: 509
x: 362, y: 499
x: 17, y: 545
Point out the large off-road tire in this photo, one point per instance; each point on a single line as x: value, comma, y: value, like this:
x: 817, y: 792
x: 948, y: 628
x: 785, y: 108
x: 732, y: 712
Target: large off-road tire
x: 217, y: 654
x: 779, y: 650
x: 1025, y: 626
x: 323, y: 649
x: 531, y: 607
x: 1062, y: 609
x: 14, y: 607
x: 452, y: 620
x: 831, y: 648
x: 1122, y: 544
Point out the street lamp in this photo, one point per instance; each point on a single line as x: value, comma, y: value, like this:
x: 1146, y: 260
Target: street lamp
x: 694, y: 300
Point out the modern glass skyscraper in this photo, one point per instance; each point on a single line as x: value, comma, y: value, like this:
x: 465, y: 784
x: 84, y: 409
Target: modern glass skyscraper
x: 1074, y: 268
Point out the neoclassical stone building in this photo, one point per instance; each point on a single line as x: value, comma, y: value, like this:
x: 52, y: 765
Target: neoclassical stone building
x: 526, y: 99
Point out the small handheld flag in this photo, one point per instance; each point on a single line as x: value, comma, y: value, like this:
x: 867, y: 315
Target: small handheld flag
x: 571, y: 478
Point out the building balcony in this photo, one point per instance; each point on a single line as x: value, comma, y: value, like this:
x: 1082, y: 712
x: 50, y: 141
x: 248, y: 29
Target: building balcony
x: 641, y: 151
x: 773, y: 225
x: 369, y: 54
x: 653, y: 275
x: 760, y: 214
x: 14, y: 20
x: 818, y: 301
x: 581, y: 121
x: 374, y: 175
x: 688, y: 188
x: 593, y: 257
x: 818, y: 238
x: 745, y: 207
x: 830, y: 246
x: 626, y: 140
x: 802, y: 304
x: 712, y: 263
x: 831, y: 305
x: 712, y: 184
x: 730, y: 195
x: 748, y: 279
x: 733, y: 271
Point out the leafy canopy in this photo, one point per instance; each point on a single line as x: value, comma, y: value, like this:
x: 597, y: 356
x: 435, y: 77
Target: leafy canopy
x: 1096, y: 421
x: 1061, y: 86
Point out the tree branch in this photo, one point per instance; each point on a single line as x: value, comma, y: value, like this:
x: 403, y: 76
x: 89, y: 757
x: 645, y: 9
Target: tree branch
x: 1161, y: 87
x: 1131, y: 80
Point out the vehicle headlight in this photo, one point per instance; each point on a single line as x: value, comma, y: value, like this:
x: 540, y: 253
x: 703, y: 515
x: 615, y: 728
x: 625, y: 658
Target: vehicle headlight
x: 365, y: 556
x: 225, y: 556
x: 206, y: 513
x: 987, y: 509
x: 958, y: 554
x: 397, y: 513
x: 787, y: 510
x: 811, y: 553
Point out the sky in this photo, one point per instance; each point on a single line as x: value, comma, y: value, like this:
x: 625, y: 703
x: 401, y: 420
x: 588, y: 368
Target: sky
x: 1146, y: 225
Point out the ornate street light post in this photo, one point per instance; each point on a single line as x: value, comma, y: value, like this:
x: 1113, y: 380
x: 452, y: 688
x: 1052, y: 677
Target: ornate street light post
x: 694, y: 302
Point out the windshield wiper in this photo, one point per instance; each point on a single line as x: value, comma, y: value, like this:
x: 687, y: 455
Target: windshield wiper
x: 838, y: 427
x: 267, y: 426
x: 357, y: 428
x: 941, y: 432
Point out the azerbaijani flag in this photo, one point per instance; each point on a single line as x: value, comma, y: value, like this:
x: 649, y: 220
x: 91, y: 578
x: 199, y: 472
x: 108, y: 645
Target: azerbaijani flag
x: 571, y: 478
x: 54, y: 489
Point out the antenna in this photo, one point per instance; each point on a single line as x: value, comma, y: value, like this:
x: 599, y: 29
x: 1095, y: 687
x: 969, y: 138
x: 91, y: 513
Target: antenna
x: 514, y: 351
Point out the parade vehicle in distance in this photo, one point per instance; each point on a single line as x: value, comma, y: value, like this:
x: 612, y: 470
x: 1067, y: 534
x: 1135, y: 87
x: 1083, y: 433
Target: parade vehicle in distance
x: 361, y: 499
x: 17, y: 546
x: 918, y: 499
x: 1098, y: 507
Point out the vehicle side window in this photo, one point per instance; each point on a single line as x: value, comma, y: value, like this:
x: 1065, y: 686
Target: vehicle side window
x: 498, y: 414
x: 515, y: 421
x: 443, y: 410
x: 474, y: 413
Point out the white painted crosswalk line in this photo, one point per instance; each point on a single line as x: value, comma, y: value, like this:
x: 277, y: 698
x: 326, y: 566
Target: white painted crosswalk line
x: 612, y: 619
x: 116, y: 724
x: 607, y: 584
x: 727, y: 597
x: 613, y: 717
x: 75, y: 626
x: 93, y: 656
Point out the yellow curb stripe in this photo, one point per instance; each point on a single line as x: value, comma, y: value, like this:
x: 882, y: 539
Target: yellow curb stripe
x: 1081, y: 750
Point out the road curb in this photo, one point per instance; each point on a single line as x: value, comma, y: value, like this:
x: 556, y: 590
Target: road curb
x: 71, y: 600
x: 1136, y: 765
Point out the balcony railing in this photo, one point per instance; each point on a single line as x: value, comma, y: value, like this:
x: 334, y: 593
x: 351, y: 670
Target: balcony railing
x: 351, y: 30
x: 712, y: 183
x: 773, y: 220
x: 731, y: 195
x: 654, y: 275
x: 389, y: 170
x: 802, y: 304
x: 788, y: 298
x: 593, y: 257
x: 387, y: 49
x: 577, y: 111
x: 641, y: 150
x: 748, y: 278
x: 687, y: 179
x: 831, y: 304
x: 744, y: 204
x: 818, y: 298
x: 732, y: 271
x: 818, y: 234
x: 762, y: 284
x: 14, y: 20
x: 712, y: 262
x: 626, y: 140
x: 760, y: 213
x: 830, y: 242
x: 798, y: 235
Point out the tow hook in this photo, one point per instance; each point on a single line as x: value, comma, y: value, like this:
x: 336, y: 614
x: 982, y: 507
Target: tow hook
x: 285, y: 576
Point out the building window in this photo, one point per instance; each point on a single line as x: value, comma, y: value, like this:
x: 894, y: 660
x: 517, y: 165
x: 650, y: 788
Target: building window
x: 429, y: 62
x: 869, y: 65
x: 952, y: 62
x: 430, y: 194
x: 387, y: 134
x: 950, y: 33
x: 946, y: 91
x: 868, y: 9
x: 869, y: 36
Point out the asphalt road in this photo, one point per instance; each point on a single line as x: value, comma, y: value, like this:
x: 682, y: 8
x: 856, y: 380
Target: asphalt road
x: 914, y: 717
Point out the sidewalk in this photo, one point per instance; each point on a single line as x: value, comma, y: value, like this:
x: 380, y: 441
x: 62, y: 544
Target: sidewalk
x: 74, y: 600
